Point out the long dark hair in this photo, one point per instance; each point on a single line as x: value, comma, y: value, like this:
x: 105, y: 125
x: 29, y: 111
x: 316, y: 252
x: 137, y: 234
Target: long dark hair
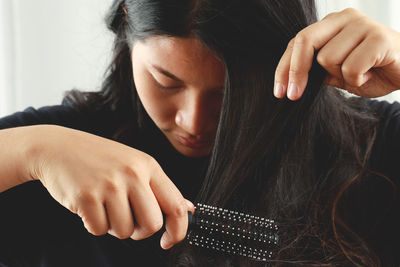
x: 297, y: 162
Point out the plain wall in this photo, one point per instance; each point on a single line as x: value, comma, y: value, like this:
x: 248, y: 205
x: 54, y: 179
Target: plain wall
x: 52, y: 46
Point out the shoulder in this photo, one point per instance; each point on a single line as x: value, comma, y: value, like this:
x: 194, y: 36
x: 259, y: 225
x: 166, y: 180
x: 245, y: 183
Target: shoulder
x: 386, y: 112
x: 47, y: 114
x: 385, y: 154
x: 97, y: 122
x: 388, y: 115
x: 388, y: 119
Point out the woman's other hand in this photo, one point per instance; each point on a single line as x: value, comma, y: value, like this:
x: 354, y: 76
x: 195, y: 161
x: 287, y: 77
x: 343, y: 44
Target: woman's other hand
x: 105, y: 183
x: 359, y: 55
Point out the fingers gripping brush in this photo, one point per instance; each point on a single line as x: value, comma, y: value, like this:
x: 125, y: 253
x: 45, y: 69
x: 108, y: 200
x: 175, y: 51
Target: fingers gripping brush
x: 232, y: 232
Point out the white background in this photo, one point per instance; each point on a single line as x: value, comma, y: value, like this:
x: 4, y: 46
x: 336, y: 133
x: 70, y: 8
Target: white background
x: 50, y: 46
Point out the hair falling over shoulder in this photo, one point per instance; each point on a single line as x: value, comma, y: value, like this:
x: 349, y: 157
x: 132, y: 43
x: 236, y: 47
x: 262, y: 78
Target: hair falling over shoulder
x: 296, y: 162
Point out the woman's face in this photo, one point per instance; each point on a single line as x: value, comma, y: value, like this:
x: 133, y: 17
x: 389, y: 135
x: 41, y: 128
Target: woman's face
x: 180, y: 84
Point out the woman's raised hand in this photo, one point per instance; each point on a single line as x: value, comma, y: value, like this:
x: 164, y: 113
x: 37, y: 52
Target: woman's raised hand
x: 359, y: 54
x: 104, y: 182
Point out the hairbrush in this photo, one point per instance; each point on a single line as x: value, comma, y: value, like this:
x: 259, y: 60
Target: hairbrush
x: 232, y: 232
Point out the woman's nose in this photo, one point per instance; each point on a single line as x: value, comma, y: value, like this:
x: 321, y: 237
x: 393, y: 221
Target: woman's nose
x: 192, y: 117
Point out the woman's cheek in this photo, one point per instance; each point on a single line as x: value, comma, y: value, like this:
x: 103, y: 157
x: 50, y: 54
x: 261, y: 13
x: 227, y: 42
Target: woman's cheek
x: 160, y: 105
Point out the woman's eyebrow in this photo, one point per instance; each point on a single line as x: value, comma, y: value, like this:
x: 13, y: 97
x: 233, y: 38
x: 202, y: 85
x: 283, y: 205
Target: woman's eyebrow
x: 166, y: 73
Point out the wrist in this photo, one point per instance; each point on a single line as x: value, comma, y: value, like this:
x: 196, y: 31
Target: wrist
x: 32, y: 152
x: 16, y: 157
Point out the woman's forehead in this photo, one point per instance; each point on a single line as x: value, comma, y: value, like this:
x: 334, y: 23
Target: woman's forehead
x: 185, y: 57
x: 182, y: 48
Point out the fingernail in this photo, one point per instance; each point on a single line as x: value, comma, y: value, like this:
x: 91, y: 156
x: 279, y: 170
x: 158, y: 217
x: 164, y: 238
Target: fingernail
x: 165, y: 242
x: 278, y: 90
x: 292, y: 91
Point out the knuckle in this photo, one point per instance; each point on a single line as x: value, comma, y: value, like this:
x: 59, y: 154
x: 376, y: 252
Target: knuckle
x: 325, y: 60
x: 351, y: 11
x: 122, y: 231
x: 147, y: 166
x: 122, y: 234
x: 355, y: 15
x: 155, y: 226
x: 135, y: 176
x: 84, y: 197
x: 302, y: 38
x: 366, y: 25
x: 111, y: 188
x: 148, y: 228
x: 140, y: 167
x: 351, y: 76
x: 143, y: 235
x: 155, y: 168
x: 322, y: 59
x: 330, y: 15
x: 96, y: 230
x: 129, y: 170
x: 380, y: 36
x: 71, y: 204
x: 294, y: 73
x: 180, y: 209
x: 279, y: 72
x: 150, y: 161
x: 348, y: 71
x: 291, y: 43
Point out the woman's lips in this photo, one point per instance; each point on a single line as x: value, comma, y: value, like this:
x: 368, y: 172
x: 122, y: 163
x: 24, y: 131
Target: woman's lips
x: 200, y: 144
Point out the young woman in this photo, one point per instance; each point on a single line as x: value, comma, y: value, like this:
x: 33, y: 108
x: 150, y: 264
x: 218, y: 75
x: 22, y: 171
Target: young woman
x: 187, y: 113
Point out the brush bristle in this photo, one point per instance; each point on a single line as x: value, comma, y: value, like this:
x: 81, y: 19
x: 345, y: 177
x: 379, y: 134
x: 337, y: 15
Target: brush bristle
x: 233, y: 232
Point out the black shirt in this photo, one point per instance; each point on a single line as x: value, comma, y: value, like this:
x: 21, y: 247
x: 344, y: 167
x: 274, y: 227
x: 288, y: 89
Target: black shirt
x: 37, y: 231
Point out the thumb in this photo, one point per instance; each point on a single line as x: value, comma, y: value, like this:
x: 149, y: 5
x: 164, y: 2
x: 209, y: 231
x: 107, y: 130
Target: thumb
x: 190, y: 205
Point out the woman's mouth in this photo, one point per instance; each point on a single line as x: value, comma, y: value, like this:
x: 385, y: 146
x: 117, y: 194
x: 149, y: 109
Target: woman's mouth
x: 195, y: 145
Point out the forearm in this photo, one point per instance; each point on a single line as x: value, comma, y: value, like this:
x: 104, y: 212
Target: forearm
x: 15, y: 144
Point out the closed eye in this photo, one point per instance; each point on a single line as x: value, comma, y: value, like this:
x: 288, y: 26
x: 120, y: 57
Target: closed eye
x: 159, y: 85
